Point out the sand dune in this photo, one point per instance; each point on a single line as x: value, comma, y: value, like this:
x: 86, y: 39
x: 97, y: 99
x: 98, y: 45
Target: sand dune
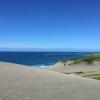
x: 60, y: 67
x: 19, y: 82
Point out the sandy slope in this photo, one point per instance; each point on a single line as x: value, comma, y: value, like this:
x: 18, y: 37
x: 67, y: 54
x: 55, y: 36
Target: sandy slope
x: 23, y: 83
x: 60, y: 67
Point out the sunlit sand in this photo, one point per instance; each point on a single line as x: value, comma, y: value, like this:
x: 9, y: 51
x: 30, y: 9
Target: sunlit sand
x: 18, y: 82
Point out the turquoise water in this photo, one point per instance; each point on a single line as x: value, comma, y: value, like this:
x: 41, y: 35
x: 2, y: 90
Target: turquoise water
x: 39, y: 59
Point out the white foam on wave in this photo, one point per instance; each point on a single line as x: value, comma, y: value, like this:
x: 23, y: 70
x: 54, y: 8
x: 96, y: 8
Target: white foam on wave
x: 42, y: 66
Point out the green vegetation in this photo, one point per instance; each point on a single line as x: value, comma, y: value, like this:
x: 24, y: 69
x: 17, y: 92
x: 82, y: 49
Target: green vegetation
x: 90, y: 74
x: 88, y: 60
x: 97, y: 78
x: 93, y: 75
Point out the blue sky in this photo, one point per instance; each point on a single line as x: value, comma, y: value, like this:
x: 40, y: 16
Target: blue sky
x: 50, y: 24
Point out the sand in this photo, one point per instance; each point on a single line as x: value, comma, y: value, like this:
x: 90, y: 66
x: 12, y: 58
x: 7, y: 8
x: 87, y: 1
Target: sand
x: 18, y: 82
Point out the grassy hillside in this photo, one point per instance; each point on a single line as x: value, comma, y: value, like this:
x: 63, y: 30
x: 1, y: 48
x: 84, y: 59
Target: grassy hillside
x: 88, y: 60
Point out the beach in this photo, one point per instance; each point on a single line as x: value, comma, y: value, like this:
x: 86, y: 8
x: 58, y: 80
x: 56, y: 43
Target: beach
x: 49, y: 50
x: 19, y: 82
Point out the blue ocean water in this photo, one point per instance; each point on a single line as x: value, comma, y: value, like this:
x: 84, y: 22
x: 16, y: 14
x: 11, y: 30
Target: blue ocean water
x: 39, y: 58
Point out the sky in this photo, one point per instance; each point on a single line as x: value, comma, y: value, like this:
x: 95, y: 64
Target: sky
x: 50, y: 24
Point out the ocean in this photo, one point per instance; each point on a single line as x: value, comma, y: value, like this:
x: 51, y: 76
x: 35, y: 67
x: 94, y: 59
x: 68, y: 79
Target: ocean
x: 40, y: 59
